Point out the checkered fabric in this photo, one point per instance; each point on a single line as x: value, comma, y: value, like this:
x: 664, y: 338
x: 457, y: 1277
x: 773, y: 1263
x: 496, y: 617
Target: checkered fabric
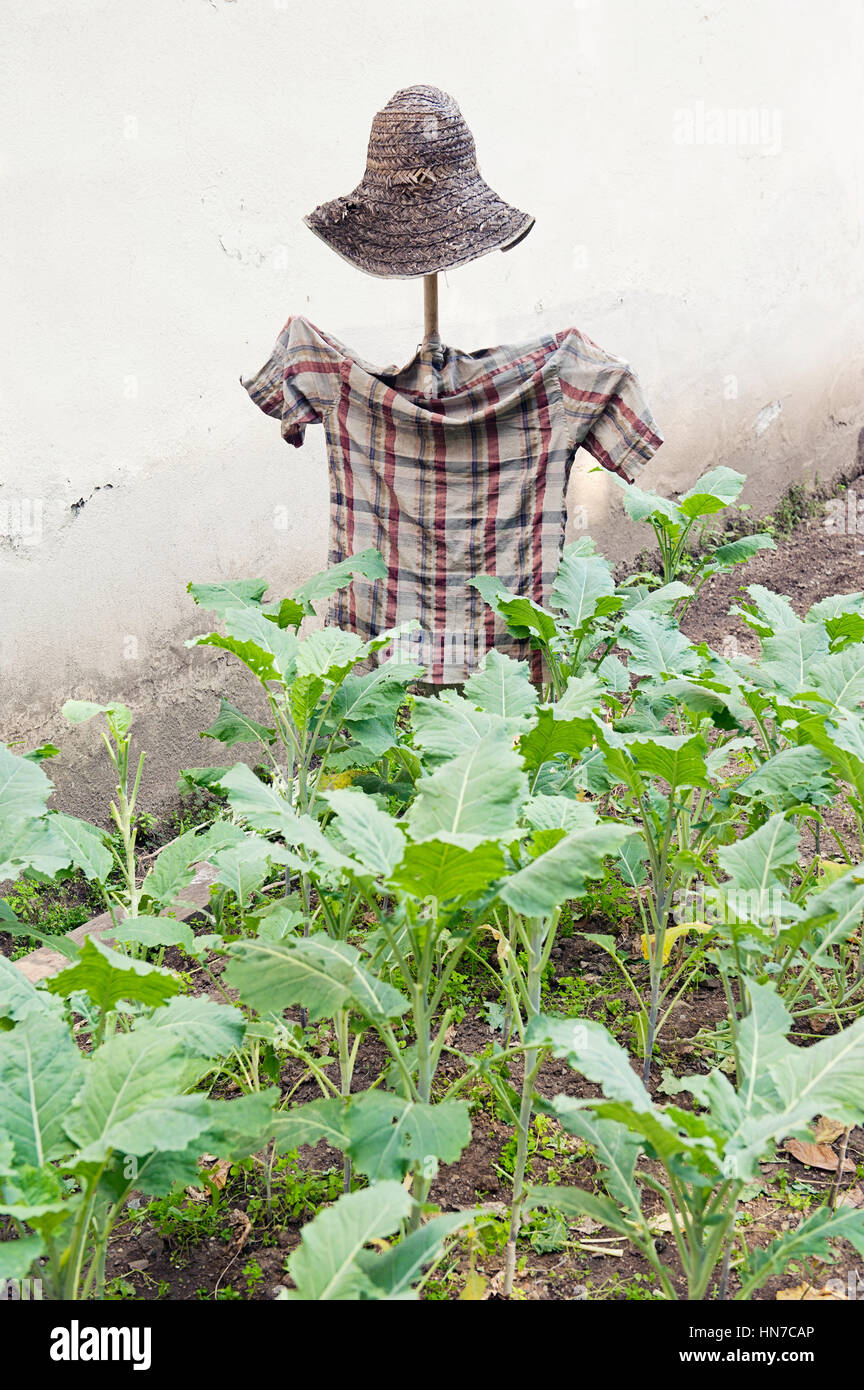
x: 452, y: 466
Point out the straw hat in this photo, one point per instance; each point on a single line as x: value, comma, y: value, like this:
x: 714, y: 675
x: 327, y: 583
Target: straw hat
x: 421, y: 205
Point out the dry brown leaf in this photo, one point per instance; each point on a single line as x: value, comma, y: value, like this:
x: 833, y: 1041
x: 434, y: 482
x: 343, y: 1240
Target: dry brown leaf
x: 852, y: 1197
x: 805, y: 1293
x: 825, y: 1131
x: 244, y: 1227
x: 218, y: 1174
x: 587, y: 1226
x: 495, y: 1285
x: 817, y: 1156
x: 662, y: 1224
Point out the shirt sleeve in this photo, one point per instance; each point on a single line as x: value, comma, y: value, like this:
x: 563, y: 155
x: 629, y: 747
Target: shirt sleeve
x: 607, y: 412
x: 299, y: 380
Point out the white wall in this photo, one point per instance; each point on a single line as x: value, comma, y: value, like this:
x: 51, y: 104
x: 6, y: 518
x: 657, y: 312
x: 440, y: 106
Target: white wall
x: 158, y: 159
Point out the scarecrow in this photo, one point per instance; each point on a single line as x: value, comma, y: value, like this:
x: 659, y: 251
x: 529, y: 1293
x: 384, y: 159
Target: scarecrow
x: 456, y: 464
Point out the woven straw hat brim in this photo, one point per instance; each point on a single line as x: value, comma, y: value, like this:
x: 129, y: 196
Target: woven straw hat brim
x: 418, y: 232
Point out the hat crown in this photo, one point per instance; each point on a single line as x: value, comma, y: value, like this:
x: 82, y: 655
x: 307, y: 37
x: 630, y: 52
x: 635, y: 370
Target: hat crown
x: 420, y: 126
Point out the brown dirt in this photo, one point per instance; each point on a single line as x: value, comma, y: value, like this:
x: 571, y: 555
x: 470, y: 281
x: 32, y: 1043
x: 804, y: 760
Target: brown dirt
x: 810, y: 565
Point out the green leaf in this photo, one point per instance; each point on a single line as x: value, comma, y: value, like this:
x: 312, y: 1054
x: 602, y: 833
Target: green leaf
x: 86, y: 845
x: 838, y: 742
x: 574, y: 1203
x: 827, y: 1078
x: 583, y: 588
x: 754, y: 864
x: 761, y: 1043
x: 376, y: 694
x: 662, y: 599
x: 523, y: 616
x: 835, y: 606
x: 64, y: 945
x: 678, y: 759
x: 316, y: 972
x: 260, y: 805
x: 591, y: 1049
x: 656, y: 646
x: 109, y: 978
x: 367, y: 833
x: 767, y: 612
x: 229, y: 1129
x: 37, y: 1196
x: 304, y: 695
x: 325, y: 1265
x: 582, y: 695
x: 723, y: 704
x: 259, y: 661
x: 712, y: 493
x: 785, y: 1086
x: 235, y: 593
x: 244, y: 866
x: 744, y: 548
x: 328, y: 652
x: 387, y: 1135
x: 208, y: 777
x: 447, y: 872
x: 31, y: 844
x: 474, y: 798
x: 41, y: 1073
x: 840, y: 677
x: 45, y: 750
x: 367, y: 564
x: 18, y: 997
x: 80, y: 711
x: 264, y: 809
x: 845, y: 629
x: 552, y: 734
x: 715, y: 1093
x: 788, y: 656
x: 288, y: 612
x: 24, y: 788
x: 154, y: 931
x: 311, y: 1123
x: 384, y: 1135
x: 787, y: 775
x: 199, y: 1025
x: 394, y: 1271
x: 836, y: 912
x: 562, y: 872
x: 133, y: 1100
x: 559, y: 813
x: 446, y: 725
x: 632, y: 857
x: 640, y: 505
x: 173, y: 870
x: 615, y: 1149
x: 809, y: 1241
x: 232, y: 726
x: 502, y: 686
x: 251, y: 626
x: 17, y: 1256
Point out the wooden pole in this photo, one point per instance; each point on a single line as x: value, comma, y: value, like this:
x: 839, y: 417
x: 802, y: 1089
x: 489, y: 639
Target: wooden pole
x: 430, y: 309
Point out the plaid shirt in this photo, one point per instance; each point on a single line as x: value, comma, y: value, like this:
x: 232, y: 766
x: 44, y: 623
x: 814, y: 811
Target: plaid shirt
x: 452, y: 466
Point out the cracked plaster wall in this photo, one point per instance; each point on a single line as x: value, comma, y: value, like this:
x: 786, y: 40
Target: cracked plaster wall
x: 696, y: 175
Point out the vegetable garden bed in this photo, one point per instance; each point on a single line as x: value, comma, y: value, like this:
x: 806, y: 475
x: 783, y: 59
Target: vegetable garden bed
x: 583, y: 959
